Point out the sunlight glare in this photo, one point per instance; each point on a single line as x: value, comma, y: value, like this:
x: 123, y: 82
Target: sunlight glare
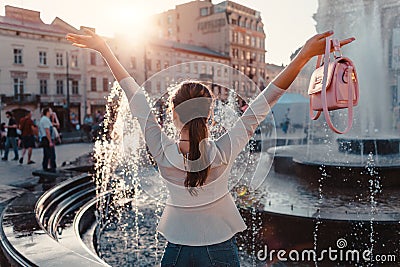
x: 133, y: 21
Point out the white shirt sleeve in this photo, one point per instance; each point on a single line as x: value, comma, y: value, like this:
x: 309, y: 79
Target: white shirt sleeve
x: 140, y: 108
x: 232, y: 142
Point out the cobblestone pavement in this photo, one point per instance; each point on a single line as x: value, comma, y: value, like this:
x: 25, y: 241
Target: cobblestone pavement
x: 12, y: 173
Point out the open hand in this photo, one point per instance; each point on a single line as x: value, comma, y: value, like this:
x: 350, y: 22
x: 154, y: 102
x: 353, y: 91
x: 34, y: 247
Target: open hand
x: 90, y: 40
x: 316, y: 45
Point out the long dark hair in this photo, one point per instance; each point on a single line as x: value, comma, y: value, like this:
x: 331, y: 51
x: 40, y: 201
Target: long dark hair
x: 195, y: 121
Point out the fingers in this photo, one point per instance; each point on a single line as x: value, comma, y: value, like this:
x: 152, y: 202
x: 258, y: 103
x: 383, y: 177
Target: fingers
x: 71, y: 36
x: 347, y: 41
x: 324, y: 34
x: 79, y: 45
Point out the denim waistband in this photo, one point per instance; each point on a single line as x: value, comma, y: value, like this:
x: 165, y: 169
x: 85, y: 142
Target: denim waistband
x: 230, y: 240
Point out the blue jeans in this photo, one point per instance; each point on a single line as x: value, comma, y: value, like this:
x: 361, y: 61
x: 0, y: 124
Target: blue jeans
x: 11, y: 141
x: 219, y: 255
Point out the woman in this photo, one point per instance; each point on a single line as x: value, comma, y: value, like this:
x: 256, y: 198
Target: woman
x: 56, y: 127
x: 200, y: 218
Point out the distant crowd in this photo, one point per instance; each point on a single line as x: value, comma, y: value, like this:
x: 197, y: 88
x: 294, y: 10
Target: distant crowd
x: 28, y: 133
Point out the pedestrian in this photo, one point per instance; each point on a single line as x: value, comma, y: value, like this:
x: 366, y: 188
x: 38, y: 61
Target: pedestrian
x: 87, y: 126
x: 45, y: 137
x: 99, y: 117
x: 200, y: 218
x: 27, y: 128
x: 3, y: 136
x: 11, y: 139
x: 56, y: 127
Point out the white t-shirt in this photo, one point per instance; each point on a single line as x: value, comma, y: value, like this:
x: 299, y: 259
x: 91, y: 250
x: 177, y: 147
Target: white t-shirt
x: 44, y: 124
x: 211, y: 216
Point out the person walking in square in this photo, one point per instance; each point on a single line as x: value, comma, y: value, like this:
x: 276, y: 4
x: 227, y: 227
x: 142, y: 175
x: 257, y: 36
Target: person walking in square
x: 11, y: 139
x: 27, y: 127
x: 46, y: 141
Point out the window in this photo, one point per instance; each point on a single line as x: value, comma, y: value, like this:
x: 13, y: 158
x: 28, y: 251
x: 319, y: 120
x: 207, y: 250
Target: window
x: 242, y: 54
x: 17, y: 56
x: 74, y: 61
x: 43, y: 87
x: 247, y: 55
x: 204, y: 11
x: 261, y: 73
x: 247, y: 40
x: 187, y: 68
x: 133, y: 63
x: 169, y: 19
x: 253, y: 41
x: 235, y: 53
x: 248, y: 24
x: 59, y: 59
x: 235, y: 37
x: 253, y: 57
x: 105, y: 84
x: 60, y: 87
x: 236, y: 85
x: 166, y: 64
x: 93, y: 58
x: 42, y: 58
x: 93, y: 85
x: 75, y: 87
x: 158, y: 65
x: 203, y: 69
x: 18, y: 86
x: 241, y: 38
x: 195, y: 68
x: 219, y: 72
x: 148, y: 64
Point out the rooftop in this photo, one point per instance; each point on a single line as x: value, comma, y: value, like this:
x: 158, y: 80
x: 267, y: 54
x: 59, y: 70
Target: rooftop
x: 190, y: 48
x: 29, y: 20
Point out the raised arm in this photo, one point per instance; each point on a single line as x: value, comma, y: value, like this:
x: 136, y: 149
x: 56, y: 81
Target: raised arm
x: 234, y: 140
x: 137, y: 100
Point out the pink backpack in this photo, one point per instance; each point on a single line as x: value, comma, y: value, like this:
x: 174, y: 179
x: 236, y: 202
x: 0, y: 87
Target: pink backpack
x: 334, y: 85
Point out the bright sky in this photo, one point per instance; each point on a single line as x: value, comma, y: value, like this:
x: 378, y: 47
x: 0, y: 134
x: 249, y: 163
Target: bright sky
x: 287, y: 23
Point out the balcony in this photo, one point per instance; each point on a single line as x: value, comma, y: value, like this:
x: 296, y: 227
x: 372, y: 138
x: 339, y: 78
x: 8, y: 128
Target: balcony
x: 20, y: 99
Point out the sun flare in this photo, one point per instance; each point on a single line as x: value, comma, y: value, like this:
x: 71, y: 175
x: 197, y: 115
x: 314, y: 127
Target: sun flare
x: 133, y: 21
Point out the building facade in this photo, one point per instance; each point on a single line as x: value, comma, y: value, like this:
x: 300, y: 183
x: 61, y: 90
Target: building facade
x: 39, y: 68
x: 36, y: 61
x: 228, y: 28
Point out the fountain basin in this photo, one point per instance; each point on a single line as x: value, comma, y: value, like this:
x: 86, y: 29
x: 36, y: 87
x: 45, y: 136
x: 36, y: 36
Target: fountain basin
x: 378, y: 145
x: 44, y: 235
x: 341, y: 169
x: 66, y: 231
